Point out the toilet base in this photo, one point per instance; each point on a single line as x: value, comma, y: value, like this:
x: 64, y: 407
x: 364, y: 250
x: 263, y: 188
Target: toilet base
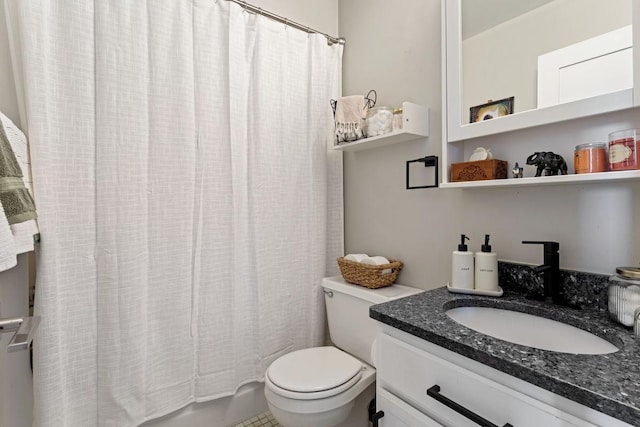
x: 353, y: 414
x: 331, y: 418
x: 359, y: 416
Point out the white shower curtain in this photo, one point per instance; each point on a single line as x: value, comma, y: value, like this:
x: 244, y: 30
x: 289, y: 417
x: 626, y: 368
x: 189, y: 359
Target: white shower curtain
x: 188, y: 198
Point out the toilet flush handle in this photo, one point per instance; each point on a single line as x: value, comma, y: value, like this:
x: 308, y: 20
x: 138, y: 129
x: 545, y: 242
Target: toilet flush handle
x: 328, y: 293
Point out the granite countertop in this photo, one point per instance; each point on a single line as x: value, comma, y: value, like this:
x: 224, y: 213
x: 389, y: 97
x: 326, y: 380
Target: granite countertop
x: 608, y: 383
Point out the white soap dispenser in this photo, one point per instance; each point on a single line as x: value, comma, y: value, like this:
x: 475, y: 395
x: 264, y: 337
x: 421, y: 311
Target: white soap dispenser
x: 462, y: 266
x: 486, y: 268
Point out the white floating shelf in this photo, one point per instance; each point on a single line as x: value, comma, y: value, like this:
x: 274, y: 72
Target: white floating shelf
x: 542, y: 116
x: 632, y: 175
x: 415, y: 125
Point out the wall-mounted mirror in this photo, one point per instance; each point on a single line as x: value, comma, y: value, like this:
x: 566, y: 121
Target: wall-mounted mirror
x: 558, y: 59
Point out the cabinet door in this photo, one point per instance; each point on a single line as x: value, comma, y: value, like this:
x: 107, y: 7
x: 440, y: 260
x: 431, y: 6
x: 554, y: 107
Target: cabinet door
x: 399, y: 414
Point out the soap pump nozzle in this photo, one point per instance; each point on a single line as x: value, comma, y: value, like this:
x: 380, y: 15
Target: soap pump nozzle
x: 462, y: 247
x: 486, y: 247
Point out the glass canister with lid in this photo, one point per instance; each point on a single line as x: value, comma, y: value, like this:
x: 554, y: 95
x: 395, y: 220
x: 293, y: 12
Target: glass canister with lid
x: 624, y: 294
x: 379, y: 121
x: 623, y: 150
x: 591, y: 157
x: 397, y: 119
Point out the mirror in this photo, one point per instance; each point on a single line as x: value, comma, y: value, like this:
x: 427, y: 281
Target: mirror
x: 558, y: 59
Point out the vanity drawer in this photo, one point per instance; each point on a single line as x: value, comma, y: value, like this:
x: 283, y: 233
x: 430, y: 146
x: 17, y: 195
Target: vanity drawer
x: 408, y: 372
x: 399, y: 414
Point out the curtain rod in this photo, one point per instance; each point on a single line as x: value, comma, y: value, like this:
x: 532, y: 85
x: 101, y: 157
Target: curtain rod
x: 278, y: 18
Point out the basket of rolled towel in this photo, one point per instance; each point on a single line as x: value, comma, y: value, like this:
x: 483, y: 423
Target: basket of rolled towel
x: 371, y: 272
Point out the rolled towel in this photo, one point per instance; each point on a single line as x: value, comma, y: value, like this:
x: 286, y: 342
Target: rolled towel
x: 356, y: 257
x: 377, y: 260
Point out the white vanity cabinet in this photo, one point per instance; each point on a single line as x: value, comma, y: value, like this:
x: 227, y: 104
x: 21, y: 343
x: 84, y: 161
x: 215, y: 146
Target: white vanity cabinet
x: 408, y: 366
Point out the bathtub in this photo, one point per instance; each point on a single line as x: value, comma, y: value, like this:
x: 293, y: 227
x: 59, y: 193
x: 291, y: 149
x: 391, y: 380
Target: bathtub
x: 248, y: 402
x: 16, y: 380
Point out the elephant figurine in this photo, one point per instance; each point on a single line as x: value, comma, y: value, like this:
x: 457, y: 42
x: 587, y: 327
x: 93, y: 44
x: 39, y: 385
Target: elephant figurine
x: 548, y: 162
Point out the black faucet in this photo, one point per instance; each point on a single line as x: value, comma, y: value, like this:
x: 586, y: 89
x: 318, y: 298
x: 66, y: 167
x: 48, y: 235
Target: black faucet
x: 550, y: 270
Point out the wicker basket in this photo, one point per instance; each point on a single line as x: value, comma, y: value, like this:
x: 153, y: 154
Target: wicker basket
x: 369, y: 276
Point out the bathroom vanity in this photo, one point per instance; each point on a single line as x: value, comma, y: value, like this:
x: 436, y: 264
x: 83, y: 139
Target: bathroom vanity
x: 430, y: 368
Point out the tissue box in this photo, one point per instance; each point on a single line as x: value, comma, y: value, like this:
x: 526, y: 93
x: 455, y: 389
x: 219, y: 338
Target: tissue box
x: 479, y: 170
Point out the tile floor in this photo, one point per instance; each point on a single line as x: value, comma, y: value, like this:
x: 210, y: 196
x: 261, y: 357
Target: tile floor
x: 262, y: 420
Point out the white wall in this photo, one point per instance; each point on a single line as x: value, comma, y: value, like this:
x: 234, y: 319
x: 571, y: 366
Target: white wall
x: 8, y: 100
x: 320, y: 15
x: 394, y: 47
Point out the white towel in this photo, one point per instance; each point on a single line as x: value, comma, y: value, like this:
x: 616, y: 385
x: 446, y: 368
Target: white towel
x: 8, y: 252
x: 377, y: 260
x: 23, y: 232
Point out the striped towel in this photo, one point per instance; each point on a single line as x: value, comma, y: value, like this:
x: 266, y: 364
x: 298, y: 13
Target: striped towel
x: 16, y: 200
x: 18, y: 225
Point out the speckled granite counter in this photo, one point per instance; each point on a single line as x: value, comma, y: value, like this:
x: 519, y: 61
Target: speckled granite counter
x: 609, y: 383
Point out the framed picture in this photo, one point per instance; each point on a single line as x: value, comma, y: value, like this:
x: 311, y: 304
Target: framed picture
x: 491, y: 110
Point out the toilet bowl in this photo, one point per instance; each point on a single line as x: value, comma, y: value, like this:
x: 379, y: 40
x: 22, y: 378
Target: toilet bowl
x: 317, y: 387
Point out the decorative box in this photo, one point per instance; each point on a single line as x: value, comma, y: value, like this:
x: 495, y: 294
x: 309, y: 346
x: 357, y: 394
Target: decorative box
x: 479, y: 170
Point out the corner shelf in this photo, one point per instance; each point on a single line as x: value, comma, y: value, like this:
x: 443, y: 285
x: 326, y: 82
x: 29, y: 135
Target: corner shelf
x: 415, y: 125
x: 631, y: 175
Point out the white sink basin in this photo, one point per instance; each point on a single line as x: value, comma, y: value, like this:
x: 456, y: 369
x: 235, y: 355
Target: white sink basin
x: 532, y: 331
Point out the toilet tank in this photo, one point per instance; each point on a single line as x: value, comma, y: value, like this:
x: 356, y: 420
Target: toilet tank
x: 350, y: 327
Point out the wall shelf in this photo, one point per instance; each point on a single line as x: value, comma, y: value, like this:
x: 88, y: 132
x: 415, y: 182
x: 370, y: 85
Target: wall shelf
x: 415, y: 125
x: 632, y: 175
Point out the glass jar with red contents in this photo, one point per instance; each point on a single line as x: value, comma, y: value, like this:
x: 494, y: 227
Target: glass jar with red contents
x: 623, y: 150
x: 591, y: 157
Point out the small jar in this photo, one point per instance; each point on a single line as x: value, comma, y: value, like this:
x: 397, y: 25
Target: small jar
x: 379, y: 121
x: 623, y: 150
x: 624, y: 295
x: 397, y: 119
x: 589, y: 158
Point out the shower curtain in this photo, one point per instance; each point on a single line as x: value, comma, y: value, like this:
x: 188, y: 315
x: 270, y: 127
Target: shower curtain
x: 188, y: 197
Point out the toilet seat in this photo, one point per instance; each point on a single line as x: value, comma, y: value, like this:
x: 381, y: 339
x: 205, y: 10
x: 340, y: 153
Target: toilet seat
x: 313, y: 373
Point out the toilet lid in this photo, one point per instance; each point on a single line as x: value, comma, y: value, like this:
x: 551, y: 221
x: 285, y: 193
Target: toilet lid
x: 313, y: 369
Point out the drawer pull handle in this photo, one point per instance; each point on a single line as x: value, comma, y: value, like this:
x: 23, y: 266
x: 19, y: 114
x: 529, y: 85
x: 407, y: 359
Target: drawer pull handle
x: 435, y: 393
x: 376, y: 417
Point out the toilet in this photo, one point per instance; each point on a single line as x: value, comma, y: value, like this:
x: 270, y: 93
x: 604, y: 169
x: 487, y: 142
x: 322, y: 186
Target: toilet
x: 317, y: 387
